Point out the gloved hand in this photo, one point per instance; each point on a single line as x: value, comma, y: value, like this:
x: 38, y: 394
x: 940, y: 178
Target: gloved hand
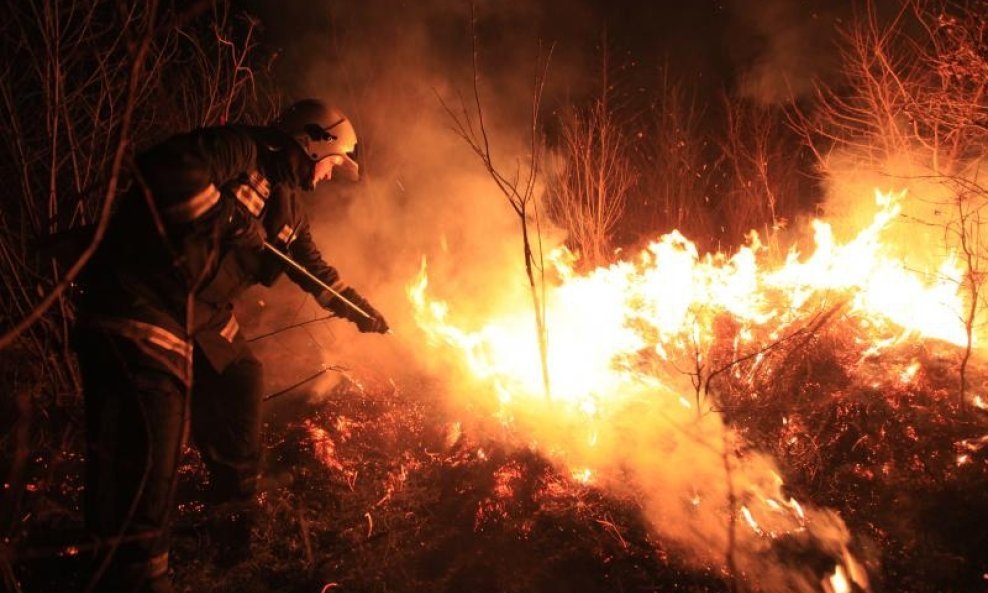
x: 375, y: 323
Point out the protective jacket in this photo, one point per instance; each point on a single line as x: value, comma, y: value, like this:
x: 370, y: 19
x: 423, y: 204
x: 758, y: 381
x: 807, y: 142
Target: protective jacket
x: 283, y: 224
x: 187, y: 239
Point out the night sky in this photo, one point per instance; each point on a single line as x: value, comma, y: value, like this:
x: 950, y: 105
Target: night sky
x: 754, y: 48
x: 387, y: 62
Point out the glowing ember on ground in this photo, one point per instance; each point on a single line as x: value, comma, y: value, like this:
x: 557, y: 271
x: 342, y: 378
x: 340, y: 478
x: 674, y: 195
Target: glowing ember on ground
x: 504, y: 478
x: 974, y: 444
x: 323, y: 445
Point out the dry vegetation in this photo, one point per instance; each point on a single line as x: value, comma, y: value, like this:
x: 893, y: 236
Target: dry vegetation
x: 588, y: 188
x: 912, y: 107
x: 92, y: 82
x: 377, y: 496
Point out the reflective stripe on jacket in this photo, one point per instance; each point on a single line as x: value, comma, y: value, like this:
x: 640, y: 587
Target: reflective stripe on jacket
x: 252, y: 191
x: 160, y: 344
x: 193, y: 207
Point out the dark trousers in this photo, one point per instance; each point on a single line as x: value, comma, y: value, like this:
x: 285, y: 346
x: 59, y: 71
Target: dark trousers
x: 137, y: 419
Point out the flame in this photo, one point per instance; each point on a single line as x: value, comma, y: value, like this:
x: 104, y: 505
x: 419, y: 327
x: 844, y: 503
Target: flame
x: 750, y: 520
x: 625, y: 336
x: 907, y: 375
x: 668, y: 298
x: 838, y: 581
x: 583, y: 476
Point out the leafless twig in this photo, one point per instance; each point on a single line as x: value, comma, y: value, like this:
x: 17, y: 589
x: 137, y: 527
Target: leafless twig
x: 519, y: 189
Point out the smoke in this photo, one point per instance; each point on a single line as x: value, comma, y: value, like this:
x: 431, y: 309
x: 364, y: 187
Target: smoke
x: 926, y: 202
x: 782, y: 47
x: 424, y: 193
x: 686, y: 471
x: 426, y: 196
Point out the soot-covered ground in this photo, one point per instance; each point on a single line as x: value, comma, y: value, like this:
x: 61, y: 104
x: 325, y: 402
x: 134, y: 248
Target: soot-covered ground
x: 367, y: 491
x: 371, y: 488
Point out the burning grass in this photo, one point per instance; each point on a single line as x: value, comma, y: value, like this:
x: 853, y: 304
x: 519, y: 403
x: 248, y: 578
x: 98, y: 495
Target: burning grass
x: 882, y: 438
x: 682, y: 380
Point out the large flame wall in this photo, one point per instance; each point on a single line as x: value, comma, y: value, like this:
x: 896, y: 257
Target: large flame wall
x: 629, y: 357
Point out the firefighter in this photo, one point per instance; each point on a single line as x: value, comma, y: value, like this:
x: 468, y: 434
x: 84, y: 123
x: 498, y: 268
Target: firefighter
x: 158, y: 344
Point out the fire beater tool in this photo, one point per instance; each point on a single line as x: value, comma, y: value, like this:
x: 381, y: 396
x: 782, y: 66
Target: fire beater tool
x: 294, y: 264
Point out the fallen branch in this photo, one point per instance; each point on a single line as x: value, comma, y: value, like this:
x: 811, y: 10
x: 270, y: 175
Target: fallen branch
x: 294, y: 386
x: 806, y: 333
x: 288, y: 327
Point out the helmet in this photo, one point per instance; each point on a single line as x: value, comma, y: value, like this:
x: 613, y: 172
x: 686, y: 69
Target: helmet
x: 322, y: 131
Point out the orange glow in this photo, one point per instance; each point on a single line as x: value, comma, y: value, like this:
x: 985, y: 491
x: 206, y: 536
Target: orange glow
x: 666, y: 301
x: 838, y: 581
x: 628, y: 345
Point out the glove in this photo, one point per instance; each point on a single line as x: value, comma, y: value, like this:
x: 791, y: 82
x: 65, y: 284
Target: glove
x: 373, y: 324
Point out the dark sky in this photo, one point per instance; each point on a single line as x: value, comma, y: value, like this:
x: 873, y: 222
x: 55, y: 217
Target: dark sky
x: 387, y: 61
x: 755, y: 48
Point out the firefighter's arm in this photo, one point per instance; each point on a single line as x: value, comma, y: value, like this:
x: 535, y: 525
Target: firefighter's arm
x: 180, y: 181
x: 304, y: 251
x: 184, y: 173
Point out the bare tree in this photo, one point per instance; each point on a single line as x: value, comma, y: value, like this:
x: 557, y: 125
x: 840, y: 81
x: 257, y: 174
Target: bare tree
x: 69, y: 110
x: 676, y: 171
x: 914, y: 87
x: 761, y: 181
x: 586, y: 195
x: 517, y: 187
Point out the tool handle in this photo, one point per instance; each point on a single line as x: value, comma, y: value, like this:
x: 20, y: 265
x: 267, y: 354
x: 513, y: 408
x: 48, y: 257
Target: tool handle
x: 294, y: 264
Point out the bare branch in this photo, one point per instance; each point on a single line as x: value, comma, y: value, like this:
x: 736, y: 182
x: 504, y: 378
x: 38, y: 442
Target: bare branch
x: 123, y: 142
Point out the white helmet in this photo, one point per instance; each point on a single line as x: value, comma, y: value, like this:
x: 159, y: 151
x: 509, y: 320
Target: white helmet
x: 322, y: 131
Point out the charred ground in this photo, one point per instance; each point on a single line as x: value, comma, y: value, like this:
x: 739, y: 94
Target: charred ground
x: 372, y: 487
